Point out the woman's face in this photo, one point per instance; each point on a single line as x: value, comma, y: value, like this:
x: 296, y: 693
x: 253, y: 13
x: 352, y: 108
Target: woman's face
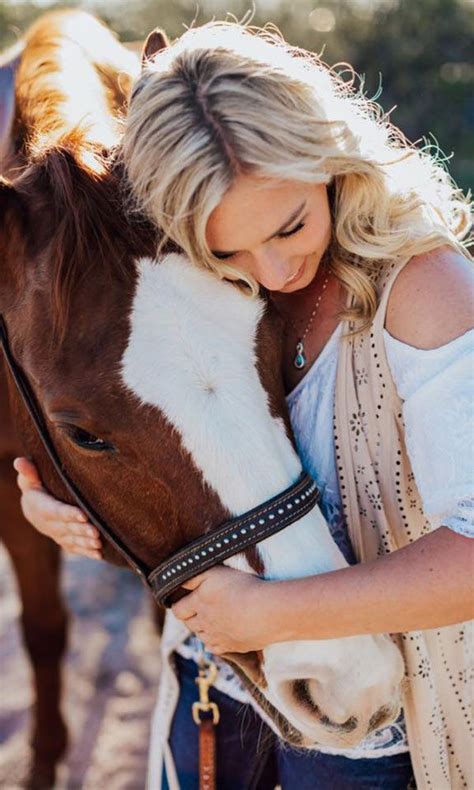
x: 276, y: 231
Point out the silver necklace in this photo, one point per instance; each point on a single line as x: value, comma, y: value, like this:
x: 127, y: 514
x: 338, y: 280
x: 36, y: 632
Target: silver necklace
x: 300, y: 358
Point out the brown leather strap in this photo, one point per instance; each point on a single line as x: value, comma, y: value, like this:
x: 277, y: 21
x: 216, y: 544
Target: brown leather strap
x: 207, y: 754
x: 234, y: 536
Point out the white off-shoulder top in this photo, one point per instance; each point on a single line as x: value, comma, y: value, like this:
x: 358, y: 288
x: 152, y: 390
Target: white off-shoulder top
x: 436, y: 387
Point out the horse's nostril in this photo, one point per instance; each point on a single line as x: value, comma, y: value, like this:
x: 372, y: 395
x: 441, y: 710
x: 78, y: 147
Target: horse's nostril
x: 346, y: 726
x: 379, y: 718
x: 302, y: 694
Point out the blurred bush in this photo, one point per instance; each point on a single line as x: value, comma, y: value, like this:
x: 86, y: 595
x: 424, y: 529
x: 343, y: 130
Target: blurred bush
x: 418, y: 51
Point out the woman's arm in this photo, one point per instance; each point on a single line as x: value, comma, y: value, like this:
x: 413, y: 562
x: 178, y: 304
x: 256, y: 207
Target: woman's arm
x: 65, y: 524
x: 427, y: 584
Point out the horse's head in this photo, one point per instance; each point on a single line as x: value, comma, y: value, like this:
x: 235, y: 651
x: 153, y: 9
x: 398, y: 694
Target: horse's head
x: 161, y: 391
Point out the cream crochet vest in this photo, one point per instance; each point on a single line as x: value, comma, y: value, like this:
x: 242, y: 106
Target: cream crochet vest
x: 383, y: 511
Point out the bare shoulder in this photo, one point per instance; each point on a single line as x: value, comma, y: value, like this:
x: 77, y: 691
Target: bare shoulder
x: 432, y: 299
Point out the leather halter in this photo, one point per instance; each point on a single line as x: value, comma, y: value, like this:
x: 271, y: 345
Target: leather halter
x: 210, y: 549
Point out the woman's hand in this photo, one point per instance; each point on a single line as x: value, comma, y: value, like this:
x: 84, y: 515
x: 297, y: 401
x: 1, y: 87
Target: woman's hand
x: 227, y: 610
x: 65, y: 524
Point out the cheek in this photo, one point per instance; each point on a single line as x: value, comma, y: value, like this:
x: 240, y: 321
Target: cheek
x: 317, y: 237
x: 320, y: 230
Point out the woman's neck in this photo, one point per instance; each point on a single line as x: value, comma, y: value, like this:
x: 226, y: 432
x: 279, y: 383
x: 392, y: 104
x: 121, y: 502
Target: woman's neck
x: 296, y: 309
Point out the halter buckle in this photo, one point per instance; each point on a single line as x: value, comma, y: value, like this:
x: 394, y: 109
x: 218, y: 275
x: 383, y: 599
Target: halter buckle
x: 205, y: 679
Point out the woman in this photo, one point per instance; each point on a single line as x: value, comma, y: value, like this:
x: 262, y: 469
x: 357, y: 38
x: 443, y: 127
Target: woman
x: 263, y: 166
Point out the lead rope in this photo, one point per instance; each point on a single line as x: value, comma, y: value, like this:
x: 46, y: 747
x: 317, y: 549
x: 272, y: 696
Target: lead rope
x: 207, y: 723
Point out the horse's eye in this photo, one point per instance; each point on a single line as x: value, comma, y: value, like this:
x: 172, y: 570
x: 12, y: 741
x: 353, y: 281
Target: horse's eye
x: 87, y: 440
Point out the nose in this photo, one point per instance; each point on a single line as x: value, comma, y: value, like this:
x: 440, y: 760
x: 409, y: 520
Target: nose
x: 272, y: 270
x: 303, y: 695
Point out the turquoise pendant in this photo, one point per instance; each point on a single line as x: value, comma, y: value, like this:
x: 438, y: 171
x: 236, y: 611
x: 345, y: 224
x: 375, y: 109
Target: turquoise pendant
x: 300, y: 359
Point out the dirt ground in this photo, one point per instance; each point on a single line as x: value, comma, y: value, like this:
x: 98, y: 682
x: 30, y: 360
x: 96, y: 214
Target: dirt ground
x: 110, y: 680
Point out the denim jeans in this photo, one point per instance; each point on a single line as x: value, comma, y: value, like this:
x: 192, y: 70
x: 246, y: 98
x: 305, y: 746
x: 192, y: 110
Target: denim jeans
x: 250, y: 757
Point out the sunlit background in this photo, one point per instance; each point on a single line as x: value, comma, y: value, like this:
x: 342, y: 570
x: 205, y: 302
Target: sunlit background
x: 419, y: 52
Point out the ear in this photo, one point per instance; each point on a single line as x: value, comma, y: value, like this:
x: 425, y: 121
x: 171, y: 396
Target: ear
x: 11, y: 205
x: 155, y: 41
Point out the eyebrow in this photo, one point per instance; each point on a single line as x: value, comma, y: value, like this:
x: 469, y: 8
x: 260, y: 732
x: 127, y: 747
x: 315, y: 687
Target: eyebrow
x: 282, y: 228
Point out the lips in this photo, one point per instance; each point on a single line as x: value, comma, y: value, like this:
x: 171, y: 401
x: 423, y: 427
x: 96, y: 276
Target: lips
x: 296, y: 276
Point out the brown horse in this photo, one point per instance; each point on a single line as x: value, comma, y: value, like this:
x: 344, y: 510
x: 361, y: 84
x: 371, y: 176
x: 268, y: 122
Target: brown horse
x: 161, y: 390
x: 48, y: 58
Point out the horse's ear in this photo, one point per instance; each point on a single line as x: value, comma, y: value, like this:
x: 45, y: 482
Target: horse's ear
x: 10, y: 202
x: 155, y: 41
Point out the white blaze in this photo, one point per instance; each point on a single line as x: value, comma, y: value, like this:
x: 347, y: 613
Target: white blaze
x: 191, y: 353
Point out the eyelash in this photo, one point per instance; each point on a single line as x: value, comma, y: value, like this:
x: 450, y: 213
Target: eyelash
x: 292, y: 232
x: 284, y: 235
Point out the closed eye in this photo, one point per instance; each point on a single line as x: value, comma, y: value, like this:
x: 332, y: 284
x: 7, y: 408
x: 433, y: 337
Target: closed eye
x: 222, y: 256
x: 285, y: 233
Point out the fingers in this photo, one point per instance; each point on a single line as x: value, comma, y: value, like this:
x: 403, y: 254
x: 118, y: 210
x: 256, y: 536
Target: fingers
x: 83, y: 547
x: 41, y: 508
x: 185, y: 608
x: 74, y: 535
x: 193, y: 583
x: 52, y: 509
x: 41, y: 505
x: 76, y: 538
x: 27, y: 473
x: 66, y: 524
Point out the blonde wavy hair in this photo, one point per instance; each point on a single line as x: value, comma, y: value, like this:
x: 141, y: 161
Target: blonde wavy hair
x: 227, y: 99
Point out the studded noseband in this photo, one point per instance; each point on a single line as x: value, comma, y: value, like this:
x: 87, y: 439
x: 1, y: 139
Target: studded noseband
x: 234, y: 536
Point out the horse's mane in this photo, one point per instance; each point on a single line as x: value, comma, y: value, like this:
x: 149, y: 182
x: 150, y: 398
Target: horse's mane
x: 69, y: 104
x: 78, y: 214
x: 73, y: 75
